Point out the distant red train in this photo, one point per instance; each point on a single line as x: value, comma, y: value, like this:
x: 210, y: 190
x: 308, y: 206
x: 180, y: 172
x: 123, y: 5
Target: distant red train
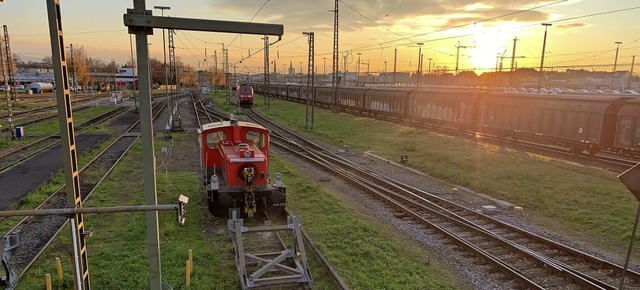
x: 245, y: 95
x: 235, y: 163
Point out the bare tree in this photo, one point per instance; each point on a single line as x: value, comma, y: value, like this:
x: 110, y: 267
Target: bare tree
x: 440, y: 70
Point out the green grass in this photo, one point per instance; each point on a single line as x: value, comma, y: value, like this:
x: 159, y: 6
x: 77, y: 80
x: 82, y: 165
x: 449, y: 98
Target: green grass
x: 584, y: 201
x: 368, y: 255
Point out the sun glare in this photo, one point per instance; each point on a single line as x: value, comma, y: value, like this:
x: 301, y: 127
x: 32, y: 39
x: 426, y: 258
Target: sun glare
x: 489, y: 44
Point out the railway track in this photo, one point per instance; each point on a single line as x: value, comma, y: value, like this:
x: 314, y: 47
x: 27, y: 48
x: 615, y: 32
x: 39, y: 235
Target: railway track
x: 208, y: 115
x: 37, y: 232
x: 33, y: 115
x: 15, y: 156
x: 522, y: 259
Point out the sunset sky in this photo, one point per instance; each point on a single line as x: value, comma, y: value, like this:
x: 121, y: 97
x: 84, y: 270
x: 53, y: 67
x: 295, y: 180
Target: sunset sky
x: 583, y: 32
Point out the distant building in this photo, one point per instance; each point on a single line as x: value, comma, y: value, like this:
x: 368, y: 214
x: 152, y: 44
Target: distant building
x: 126, y: 77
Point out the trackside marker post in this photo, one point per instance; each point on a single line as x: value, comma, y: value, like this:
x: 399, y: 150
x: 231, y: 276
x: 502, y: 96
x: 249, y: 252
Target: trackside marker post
x: 59, y: 268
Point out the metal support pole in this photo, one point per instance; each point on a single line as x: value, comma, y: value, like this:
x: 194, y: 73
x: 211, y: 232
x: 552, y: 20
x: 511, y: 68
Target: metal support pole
x: 164, y: 70
x: 544, y: 44
x: 419, y: 76
x: 215, y: 70
x: 148, y: 153
x: 615, y: 64
x: 266, y: 72
x: 628, y: 82
x: 429, y: 73
x: 334, y: 82
x: 310, y: 96
x: 395, y: 64
x: 133, y: 74
x: 6, y: 93
x: 69, y: 153
x: 73, y: 63
x: 358, y: 73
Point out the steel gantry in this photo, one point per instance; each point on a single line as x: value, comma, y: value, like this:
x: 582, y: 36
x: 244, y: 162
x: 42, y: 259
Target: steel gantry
x: 141, y: 22
x: 310, y: 96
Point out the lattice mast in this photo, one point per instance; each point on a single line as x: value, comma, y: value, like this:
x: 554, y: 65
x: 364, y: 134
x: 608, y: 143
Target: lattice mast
x: 176, y: 122
x: 6, y: 92
x: 334, y: 81
x: 266, y: 71
x: 12, y: 74
x: 310, y: 96
x: 68, y: 144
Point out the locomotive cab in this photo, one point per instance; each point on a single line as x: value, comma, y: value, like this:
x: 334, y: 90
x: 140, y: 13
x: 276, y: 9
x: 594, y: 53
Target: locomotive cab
x: 235, y: 162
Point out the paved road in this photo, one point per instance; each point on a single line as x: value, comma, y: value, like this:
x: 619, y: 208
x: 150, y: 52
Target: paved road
x: 22, y: 179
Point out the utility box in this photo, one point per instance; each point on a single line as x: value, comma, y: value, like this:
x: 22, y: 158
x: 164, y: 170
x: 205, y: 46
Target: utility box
x: 20, y: 132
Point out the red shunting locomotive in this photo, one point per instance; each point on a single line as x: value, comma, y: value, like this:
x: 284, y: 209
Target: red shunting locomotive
x: 235, y: 164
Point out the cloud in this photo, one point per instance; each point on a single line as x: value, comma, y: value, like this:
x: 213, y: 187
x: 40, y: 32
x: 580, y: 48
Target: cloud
x: 360, y: 16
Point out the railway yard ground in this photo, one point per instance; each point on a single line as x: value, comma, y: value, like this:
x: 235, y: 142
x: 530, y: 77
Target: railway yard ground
x: 370, y: 246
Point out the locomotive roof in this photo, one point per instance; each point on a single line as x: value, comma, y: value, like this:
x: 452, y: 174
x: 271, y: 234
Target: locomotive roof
x: 221, y: 124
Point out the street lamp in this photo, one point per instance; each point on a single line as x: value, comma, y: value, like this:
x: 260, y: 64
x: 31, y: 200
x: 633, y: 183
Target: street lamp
x: 164, y: 66
x: 419, y: 77
x: 544, y: 43
x: 615, y: 64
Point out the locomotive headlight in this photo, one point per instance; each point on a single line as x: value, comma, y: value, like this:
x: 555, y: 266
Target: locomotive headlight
x: 247, y: 154
x: 214, y: 183
x: 278, y: 182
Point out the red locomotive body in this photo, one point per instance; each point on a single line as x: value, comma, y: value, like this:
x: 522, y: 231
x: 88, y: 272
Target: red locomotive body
x: 245, y: 96
x: 235, y: 163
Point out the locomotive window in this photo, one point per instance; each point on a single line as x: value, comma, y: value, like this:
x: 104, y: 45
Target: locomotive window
x: 259, y: 139
x: 214, y: 137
